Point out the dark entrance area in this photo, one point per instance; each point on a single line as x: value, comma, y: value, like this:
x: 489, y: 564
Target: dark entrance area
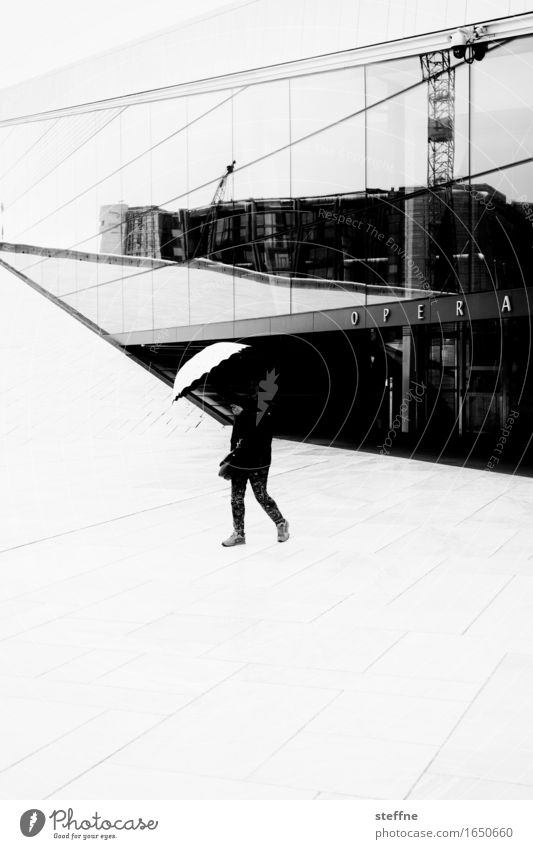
x: 336, y: 388
x: 354, y: 388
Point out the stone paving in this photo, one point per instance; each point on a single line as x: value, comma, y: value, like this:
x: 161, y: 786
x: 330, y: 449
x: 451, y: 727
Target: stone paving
x: 384, y: 651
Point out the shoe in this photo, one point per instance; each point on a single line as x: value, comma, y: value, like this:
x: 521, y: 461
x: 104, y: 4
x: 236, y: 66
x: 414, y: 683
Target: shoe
x: 234, y: 539
x: 283, y: 531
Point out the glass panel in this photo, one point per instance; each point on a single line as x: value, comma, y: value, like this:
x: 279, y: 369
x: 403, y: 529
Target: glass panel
x: 85, y: 302
x: 261, y: 295
x: 81, y: 205
x: 209, y: 145
x: 381, y: 243
x: 211, y: 294
x: 442, y: 377
x: 419, y: 137
x: 138, y: 301
x: 396, y: 130
x: 260, y: 127
x: 327, y: 161
x: 518, y: 379
x: 171, y: 299
x: 56, y: 204
x: 502, y: 221
x: 502, y: 100
x: 385, y: 79
x: 21, y: 146
x: 34, y: 191
x: 169, y: 173
x: 116, y: 296
x: 117, y: 285
x: 30, y: 265
x: 251, y: 235
x: 461, y: 120
x: 112, y: 207
x: 484, y: 398
x: 330, y: 161
x: 319, y: 100
x: 401, y: 99
x: 135, y: 177
x: 111, y: 304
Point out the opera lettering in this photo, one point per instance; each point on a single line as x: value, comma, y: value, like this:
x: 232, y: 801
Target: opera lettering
x: 422, y: 313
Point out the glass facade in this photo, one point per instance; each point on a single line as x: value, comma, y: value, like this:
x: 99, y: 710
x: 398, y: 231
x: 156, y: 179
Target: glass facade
x: 398, y: 180
x: 330, y: 198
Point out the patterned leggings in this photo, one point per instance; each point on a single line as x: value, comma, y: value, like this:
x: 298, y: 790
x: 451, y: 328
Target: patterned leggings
x: 258, y: 481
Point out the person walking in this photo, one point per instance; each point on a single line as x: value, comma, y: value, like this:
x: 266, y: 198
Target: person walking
x: 251, y: 444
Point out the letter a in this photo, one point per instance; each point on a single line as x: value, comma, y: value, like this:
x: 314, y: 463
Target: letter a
x: 506, y: 305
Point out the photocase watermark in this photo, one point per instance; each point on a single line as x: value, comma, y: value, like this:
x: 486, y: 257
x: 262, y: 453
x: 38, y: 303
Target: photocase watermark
x: 336, y: 152
x: 266, y: 391
x: 481, y: 195
x: 161, y: 337
x: 349, y: 220
x: 32, y: 822
x: 66, y: 826
x: 371, y: 230
x: 500, y: 446
x: 416, y: 271
x: 526, y: 208
x: 416, y: 393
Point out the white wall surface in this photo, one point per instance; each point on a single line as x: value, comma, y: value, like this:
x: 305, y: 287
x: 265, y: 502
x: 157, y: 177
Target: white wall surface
x: 242, y: 36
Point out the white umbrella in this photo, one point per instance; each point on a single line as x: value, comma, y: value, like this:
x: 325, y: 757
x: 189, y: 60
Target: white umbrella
x: 199, y: 366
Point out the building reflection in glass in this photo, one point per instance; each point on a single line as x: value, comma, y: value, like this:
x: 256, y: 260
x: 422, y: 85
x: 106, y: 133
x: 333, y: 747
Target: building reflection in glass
x: 378, y: 238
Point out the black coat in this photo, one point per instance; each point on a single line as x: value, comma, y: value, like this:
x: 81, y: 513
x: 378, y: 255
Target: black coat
x: 254, y: 440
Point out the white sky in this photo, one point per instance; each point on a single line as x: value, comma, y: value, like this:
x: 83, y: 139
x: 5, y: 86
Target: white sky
x: 39, y: 35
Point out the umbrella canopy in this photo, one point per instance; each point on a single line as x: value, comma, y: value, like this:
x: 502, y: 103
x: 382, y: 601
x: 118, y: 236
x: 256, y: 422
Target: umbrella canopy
x: 196, y: 369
